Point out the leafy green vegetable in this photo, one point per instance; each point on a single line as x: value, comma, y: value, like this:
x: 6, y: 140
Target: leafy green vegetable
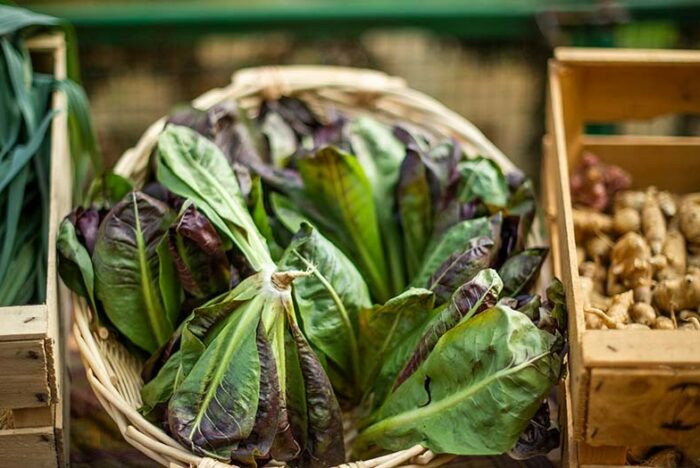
x: 487, y: 376
x: 193, y: 167
x: 415, y: 208
x: 456, y: 239
x: 337, y: 185
x: 471, y: 298
x: 380, y: 155
x: 482, y: 178
x: 198, y: 254
x: 383, y: 327
x: 74, y: 263
x: 328, y: 301
x: 520, y: 271
x: 461, y: 267
x: 127, y: 270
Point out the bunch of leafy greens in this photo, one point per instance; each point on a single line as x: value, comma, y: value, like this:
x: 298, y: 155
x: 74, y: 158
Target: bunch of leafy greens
x: 282, y: 267
x: 25, y: 156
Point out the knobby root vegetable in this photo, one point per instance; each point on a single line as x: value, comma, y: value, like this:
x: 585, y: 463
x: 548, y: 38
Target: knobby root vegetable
x: 653, y: 222
x: 689, y: 214
x: 587, y: 222
x: 596, y: 319
x: 642, y: 313
x: 690, y: 319
x: 667, y: 203
x: 643, y: 294
x: 619, y: 309
x: 626, y: 220
x: 675, y: 254
x: 629, y: 199
x: 596, y: 272
x: 676, y: 294
x: 630, y: 266
x: 663, y: 323
x: 598, y: 247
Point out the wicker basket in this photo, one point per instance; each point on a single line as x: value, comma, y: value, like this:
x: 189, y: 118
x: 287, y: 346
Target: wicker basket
x: 115, y: 375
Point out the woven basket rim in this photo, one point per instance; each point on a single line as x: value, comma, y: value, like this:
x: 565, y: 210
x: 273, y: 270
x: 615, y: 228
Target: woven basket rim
x: 108, y: 365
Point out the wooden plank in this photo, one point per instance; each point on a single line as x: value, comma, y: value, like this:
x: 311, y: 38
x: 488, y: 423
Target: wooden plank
x: 641, y: 348
x: 648, y: 406
x: 23, y: 322
x: 652, y: 160
x: 625, y: 57
x: 559, y: 172
x: 33, y: 417
x: 23, y: 448
x: 24, y: 382
x: 601, y: 456
x: 638, y: 92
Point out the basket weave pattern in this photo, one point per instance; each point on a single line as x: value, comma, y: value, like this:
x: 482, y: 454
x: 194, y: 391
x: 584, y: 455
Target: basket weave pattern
x: 114, y: 374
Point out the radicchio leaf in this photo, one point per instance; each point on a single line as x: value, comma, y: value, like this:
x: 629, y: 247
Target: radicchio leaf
x: 539, y: 437
x: 198, y: 254
x: 127, y: 270
x: 460, y: 267
x: 520, y: 271
x: 325, y: 446
x: 470, y: 299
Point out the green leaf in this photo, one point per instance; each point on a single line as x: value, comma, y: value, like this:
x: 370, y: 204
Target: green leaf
x: 461, y: 267
x: 170, y: 288
x: 214, y: 408
x: 471, y: 298
x: 380, y: 155
x: 108, y: 189
x: 324, y: 438
x: 127, y: 270
x: 520, y: 271
x: 329, y: 299
x: 415, y: 207
x: 383, y: 327
x: 487, y: 376
x: 198, y: 254
x: 159, y: 390
x: 13, y: 19
x: 288, y: 214
x: 336, y: 184
x: 74, y: 263
x: 456, y: 239
x: 260, y: 218
x: 482, y: 178
x: 193, y: 167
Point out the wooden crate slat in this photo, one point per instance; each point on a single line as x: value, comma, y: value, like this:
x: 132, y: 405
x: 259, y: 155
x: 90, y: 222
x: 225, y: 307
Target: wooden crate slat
x: 625, y: 57
x: 642, y: 348
x: 23, y: 367
x: 23, y: 448
x: 23, y: 322
x: 644, y: 407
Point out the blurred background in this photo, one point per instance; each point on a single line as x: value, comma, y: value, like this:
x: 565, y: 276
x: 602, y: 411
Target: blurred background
x: 486, y: 59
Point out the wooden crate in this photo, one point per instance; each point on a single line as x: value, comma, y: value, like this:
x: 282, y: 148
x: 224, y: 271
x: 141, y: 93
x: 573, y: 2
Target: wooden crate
x: 628, y: 388
x: 32, y: 337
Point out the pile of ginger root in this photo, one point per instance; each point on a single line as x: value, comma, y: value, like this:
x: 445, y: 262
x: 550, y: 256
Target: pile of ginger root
x: 638, y: 253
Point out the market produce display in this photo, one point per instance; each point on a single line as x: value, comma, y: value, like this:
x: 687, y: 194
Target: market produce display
x: 638, y: 251
x: 281, y: 273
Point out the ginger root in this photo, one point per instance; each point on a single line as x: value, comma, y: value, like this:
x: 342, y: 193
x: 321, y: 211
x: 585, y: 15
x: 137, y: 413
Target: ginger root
x: 689, y: 213
x: 653, y: 222
x: 675, y: 294
x: 629, y: 199
x: 598, y: 247
x: 619, y: 309
x: 675, y: 253
x: 663, y: 323
x: 629, y: 264
x: 626, y: 220
x: 667, y: 203
x: 642, y: 313
x: 588, y: 222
